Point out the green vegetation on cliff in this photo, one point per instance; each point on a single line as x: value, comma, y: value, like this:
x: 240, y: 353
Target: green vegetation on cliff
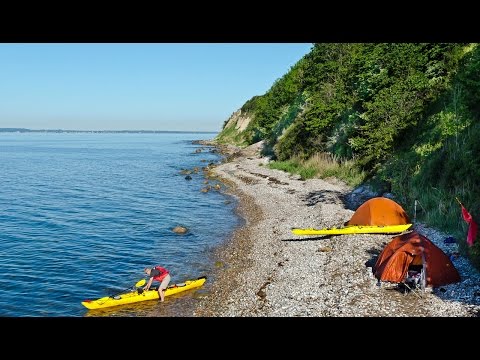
x: 403, y: 117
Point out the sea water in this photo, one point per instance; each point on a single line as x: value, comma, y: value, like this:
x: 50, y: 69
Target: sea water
x: 83, y: 213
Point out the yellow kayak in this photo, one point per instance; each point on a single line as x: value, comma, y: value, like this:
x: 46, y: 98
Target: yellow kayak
x: 137, y: 295
x: 354, y: 229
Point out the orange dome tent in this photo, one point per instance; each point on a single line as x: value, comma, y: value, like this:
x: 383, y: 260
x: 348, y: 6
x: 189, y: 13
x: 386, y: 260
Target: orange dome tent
x: 379, y: 211
x: 413, y: 248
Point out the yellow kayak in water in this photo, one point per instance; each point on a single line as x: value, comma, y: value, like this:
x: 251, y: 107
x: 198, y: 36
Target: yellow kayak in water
x: 138, y: 295
x: 354, y: 229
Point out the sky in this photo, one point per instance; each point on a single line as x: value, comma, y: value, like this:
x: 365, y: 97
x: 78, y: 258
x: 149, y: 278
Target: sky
x: 136, y: 86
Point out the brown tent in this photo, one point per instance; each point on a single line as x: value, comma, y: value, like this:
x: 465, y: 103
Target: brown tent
x: 379, y: 211
x: 410, y: 249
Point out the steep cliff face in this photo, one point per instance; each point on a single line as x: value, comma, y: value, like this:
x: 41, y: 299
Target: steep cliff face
x: 234, y: 127
x: 239, y: 120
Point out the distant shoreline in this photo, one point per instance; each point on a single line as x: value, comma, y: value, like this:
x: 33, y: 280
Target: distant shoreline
x: 23, y: 130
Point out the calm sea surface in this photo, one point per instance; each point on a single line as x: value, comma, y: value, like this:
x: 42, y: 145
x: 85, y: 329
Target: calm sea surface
x: 81, y: 215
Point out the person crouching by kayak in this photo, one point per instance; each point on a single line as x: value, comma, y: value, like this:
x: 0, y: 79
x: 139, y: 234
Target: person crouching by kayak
x: 161, y: 275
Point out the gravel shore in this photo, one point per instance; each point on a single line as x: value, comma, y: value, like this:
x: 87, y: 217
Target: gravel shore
x: 266, y: 271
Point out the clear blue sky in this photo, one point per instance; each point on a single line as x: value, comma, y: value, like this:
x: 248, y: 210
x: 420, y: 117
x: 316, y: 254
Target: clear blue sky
x: 135, y: 86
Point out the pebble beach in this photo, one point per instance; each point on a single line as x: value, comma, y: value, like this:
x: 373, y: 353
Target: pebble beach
x: 265, y: 270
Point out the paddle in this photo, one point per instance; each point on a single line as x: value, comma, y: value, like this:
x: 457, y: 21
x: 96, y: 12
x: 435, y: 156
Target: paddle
x: 138, y: 284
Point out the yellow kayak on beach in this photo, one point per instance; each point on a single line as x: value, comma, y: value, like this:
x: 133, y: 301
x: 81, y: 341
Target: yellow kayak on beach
x: 138, y: 295
x: 354, y: 229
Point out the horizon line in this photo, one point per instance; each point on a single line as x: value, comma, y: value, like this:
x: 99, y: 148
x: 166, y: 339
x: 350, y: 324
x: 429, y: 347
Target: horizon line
x: 104, y: 130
